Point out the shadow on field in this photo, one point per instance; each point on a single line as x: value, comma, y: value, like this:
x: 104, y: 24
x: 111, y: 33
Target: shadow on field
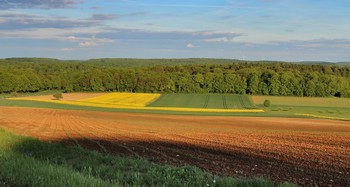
x: 238, y: 163
x: 30, y: 162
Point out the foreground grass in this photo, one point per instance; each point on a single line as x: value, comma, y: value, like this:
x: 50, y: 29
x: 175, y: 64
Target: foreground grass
x: 28, y: 162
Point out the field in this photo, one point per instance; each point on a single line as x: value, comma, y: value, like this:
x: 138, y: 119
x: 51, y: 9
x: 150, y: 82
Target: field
x: 304, y: 151
x: 194, y: 104
x: 223, y: 134
x: 305, y: 101
x: 218, y: 101
x: 156, y: 102
x: 25, y: 161
x: 314, y: 107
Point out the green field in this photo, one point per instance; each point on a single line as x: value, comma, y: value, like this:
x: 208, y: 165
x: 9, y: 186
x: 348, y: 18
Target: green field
x: 217, y: 101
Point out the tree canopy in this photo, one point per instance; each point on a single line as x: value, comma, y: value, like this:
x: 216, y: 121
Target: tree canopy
x: 176, y: 76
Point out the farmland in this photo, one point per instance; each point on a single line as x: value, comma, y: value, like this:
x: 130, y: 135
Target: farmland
x: 305, y: 101
x: 315, y: 107
x: 215, y: 103
x: 219, y: 101
x: 303, y: 151
x: 193, y: 104
x: 25, y: 161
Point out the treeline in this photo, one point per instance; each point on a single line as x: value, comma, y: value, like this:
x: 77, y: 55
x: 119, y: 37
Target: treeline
x: 262, y: 78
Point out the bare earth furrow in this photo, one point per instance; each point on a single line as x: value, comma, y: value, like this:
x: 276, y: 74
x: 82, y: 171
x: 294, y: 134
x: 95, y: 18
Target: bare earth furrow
x: 137, y: 149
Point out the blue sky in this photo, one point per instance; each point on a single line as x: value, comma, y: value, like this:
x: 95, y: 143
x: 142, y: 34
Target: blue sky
x: 289, y: 30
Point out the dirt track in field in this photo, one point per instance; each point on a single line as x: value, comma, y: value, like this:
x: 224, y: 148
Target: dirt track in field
x: 308, y: 152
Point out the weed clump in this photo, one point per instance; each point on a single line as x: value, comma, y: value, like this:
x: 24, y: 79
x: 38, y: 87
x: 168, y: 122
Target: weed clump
x: 267, y: 103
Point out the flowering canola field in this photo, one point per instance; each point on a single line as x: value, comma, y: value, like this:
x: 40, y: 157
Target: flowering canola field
x: 138, y: 101
x: 123, y: 99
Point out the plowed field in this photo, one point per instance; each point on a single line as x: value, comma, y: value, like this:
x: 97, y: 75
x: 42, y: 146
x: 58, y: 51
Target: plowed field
x: 308, y: 152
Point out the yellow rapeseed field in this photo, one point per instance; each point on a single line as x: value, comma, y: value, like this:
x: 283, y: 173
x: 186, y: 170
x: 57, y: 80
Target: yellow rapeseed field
x: 136, y: 101
x: 123, y: 99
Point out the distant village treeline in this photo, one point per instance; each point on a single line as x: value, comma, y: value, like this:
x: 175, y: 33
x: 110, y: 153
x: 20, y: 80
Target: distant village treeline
x: 206, y: 76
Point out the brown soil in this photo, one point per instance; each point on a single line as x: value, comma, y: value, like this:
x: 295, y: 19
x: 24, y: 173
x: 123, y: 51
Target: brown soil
x: 309, y: 152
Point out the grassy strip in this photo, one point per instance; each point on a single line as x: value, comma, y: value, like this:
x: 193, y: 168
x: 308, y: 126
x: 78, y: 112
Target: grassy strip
x: 324, y: 117
x: 19, y: 170
x: 335, y: 113
x: 29, y: 162
x: 304, y: 101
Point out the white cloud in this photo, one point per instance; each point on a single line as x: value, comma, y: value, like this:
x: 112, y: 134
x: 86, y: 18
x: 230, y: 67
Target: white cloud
x: 190, y: 45
x: 93, y: 41
x: 67, y: 49
x: 71, y: 38
x: 87, y: 44
x: 43, y: 4
x: 224, y: 39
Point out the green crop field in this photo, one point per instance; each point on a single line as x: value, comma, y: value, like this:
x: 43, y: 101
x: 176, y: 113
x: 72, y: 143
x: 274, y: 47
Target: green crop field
x: 217, y: 101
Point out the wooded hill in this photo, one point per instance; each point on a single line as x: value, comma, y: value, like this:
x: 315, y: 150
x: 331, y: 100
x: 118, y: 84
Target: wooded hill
x: 175, y: 76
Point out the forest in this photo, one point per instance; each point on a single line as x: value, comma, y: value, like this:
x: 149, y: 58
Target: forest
x: 175, y: 76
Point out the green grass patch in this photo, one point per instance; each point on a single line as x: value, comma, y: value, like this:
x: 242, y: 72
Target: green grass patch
x: 333, y: 102
x: 326, y: 107
x: 284, y: 110
x: 28, y: 162
x: 216, y: 101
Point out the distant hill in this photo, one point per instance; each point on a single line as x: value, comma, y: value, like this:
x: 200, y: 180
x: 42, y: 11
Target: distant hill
x: 135, y: 62
x: 324, y: 63
x: 37, y: 60
x: 344, y: 63
x: 316, y: 63
x: 132, y: 62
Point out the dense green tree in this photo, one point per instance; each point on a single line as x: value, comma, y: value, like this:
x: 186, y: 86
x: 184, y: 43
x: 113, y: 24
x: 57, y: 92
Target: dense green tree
x: 175, y: 76
x: 252, y: 83
x: 8, y: 82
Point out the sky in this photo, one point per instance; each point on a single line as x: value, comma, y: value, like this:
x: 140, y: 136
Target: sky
x: 288, y: 30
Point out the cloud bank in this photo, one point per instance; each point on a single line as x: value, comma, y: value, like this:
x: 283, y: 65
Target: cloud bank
x: 41, y: 4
